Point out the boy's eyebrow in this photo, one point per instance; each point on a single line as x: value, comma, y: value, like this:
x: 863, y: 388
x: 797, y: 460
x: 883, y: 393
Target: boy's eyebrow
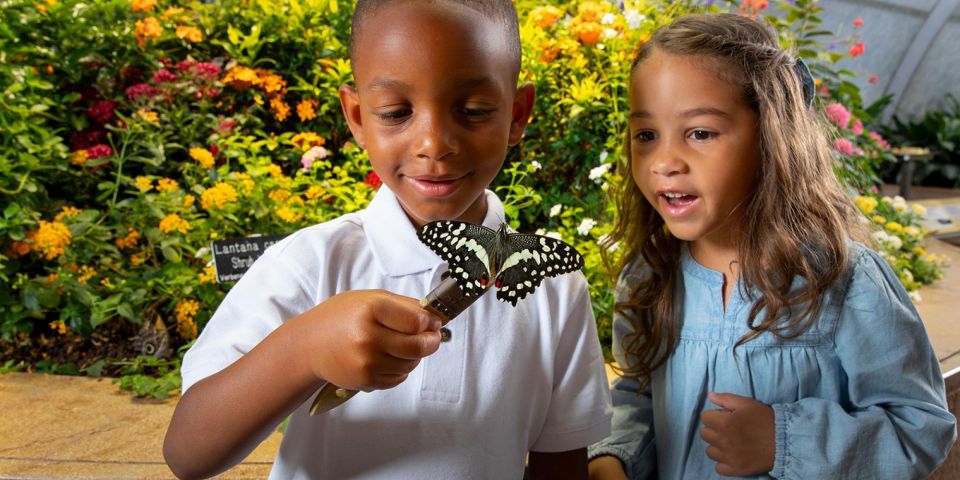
x: 693, y: 112
x: 468, y: 83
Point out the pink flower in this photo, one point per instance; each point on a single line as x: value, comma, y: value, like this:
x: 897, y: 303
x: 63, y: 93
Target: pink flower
x: 226, y: 125
x: 314, y: 153
x: 873, y: 79
x: 838, y: 114
x: 99, y: 150
x: 163, y: 76
x: 857, y: 49
x: 857, y: 128
x: 858, y: 22
x: 881, y: 142
x: 843, y: 146
x: 102, y: 111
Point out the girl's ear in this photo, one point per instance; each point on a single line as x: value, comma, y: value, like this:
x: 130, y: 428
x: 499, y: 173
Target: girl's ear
x: 350, y: 103
x: 522, y: 108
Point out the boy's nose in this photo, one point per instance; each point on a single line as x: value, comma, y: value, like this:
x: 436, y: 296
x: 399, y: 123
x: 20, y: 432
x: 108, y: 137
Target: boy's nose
x: 435, y: 139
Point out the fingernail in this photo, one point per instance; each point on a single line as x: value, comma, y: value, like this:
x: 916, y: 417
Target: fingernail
x: 435, y: 324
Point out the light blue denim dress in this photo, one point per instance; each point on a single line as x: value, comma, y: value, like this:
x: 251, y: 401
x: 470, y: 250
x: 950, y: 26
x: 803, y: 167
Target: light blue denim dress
x: 859, y: 395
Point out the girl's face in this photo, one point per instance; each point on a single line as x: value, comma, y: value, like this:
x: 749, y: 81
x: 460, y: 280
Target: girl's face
x: 694, y: 146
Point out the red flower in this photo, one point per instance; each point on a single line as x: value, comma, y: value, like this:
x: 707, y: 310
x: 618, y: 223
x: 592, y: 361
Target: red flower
x: 102, y: 111
x: 873, y: 79
x: 99, y: 150
x: 85, y: 139
x: 226, y: 125
x: 163, y: 76
x: 373, y: 180
x: 857, y: 49
x: 858, y: 22
x: 141, y: 90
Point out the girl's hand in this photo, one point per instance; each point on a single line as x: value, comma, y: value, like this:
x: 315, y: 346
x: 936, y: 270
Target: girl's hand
x: 606, y: 467
x: 741, y: 435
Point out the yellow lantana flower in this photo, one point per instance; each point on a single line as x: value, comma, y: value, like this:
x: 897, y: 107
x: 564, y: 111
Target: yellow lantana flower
x: 67, y: 212
x: 51, y: 239
x: 545, y: 16
x: 218, y: 195
x: 190, y: 34
x: 866, y: 204
x: 142, y: 6
x: 167, y: 185
x: 173, y: 223
x: 202, y: 156
x: 306, y: 110
x: 144, y: 184
x: 146, y: 29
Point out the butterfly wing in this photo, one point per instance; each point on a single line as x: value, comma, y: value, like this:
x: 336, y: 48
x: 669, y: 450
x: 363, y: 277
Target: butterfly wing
x: 466, y: 249
x: 531, y: 258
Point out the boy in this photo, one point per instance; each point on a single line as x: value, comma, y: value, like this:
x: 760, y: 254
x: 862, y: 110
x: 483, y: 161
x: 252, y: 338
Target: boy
x: 436, y: 106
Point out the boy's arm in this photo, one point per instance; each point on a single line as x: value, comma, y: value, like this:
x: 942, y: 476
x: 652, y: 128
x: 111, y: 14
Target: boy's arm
x: 362, y: 340
x: 557, y: 465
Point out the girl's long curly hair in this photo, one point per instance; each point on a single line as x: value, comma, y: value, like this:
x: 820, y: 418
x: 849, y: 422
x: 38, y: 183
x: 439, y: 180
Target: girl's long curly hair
x: 796, y: 224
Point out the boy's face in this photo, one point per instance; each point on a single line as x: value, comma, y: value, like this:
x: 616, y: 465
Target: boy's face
x: 436, y: 106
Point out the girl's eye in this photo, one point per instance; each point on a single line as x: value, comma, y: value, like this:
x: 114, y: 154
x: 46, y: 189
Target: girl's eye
x: 702, y: 135
x: 644, y: 136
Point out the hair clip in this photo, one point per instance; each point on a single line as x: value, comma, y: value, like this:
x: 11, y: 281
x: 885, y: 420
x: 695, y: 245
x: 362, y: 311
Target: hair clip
x: 806, y: 80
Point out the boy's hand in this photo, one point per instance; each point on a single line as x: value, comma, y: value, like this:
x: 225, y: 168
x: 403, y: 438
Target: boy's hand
x: 741, y: 435
x: 368, y: 339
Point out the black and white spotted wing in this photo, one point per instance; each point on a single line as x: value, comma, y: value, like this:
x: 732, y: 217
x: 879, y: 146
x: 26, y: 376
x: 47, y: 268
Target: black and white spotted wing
x: 516, y: 263
x: 531, y: 258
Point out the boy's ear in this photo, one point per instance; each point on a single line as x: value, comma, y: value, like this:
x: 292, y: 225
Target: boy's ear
x: 350, y: 103
x: 522, y: 108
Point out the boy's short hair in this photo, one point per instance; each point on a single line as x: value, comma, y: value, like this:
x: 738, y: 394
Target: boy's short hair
x: 501, y: 11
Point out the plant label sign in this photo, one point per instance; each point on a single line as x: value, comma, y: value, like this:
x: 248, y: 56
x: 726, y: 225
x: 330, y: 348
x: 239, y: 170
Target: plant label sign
x: 233, y: 256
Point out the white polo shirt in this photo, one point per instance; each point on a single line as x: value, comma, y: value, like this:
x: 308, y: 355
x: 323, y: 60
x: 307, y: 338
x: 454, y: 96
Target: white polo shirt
x: 511, y: 380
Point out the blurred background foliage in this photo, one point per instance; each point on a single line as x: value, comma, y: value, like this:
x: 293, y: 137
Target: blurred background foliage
x: 135, y: 132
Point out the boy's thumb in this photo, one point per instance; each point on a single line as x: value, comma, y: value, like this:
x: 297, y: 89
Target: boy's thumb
x: 728, y: 401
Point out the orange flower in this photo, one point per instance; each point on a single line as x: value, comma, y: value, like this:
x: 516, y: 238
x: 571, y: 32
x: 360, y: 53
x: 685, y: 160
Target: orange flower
x: 549, y: 50
x: 202, y: 156
x: 218, y: 196
x: 143, y: 6
x: 129, y: 241
x: 67, y: 212
x: 589, y: 33
x: 173, y: 223
x: 240, y: 78
x: 591, y: 11
x: 280, y: 108
x: 306, y: 110
x: 146, y: 29
x: 51, y: 238
x: 306, y: 140
x: 545, y: 17
x: 79, y: 157
x: 857, y: 22
x: 190, y: 34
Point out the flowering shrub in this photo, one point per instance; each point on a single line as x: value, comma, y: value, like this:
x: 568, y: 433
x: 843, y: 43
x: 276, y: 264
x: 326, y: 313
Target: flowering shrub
x: 898, y: 236
x: 138, y: 131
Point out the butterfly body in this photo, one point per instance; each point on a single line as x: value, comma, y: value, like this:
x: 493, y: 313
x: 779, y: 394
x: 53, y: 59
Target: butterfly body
x: 515, y: 262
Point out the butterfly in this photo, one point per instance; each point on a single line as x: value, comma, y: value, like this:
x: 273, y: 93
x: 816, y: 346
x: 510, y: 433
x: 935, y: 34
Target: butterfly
x: 516, y: 263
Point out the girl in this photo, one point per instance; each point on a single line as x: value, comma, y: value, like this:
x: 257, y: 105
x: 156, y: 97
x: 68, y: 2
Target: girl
x: 757, y: 337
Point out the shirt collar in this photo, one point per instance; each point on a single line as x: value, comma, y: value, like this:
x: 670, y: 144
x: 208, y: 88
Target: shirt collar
x: 393, y: 238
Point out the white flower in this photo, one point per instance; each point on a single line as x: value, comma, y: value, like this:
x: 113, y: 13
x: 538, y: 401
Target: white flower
x: 555, y: 210
x: 536, y: 165
x: 603, y: 156
x: 586, y: 225
x: 610, y: 33
x: 598, y: 172
x: 540, y: 231
x: 634, y: 18
x: 201, y: 252
x: 895, y: 242
x: 919, y: 209
x: 608, y: 18
x: 915, y: 296
x: 912, y: 231
x: 555, y: 235
x: 880, y: 236
x: 907, y: 275
x: 899, y: 204
x: 600, y: 46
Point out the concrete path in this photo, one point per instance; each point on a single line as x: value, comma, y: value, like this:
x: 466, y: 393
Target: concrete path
x: 77, y: 427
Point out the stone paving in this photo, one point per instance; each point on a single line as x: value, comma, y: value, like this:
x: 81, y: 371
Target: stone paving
x: 77, y: 427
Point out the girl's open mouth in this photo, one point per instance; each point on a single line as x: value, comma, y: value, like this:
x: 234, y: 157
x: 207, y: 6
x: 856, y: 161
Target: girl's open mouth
x: 677, y: 204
